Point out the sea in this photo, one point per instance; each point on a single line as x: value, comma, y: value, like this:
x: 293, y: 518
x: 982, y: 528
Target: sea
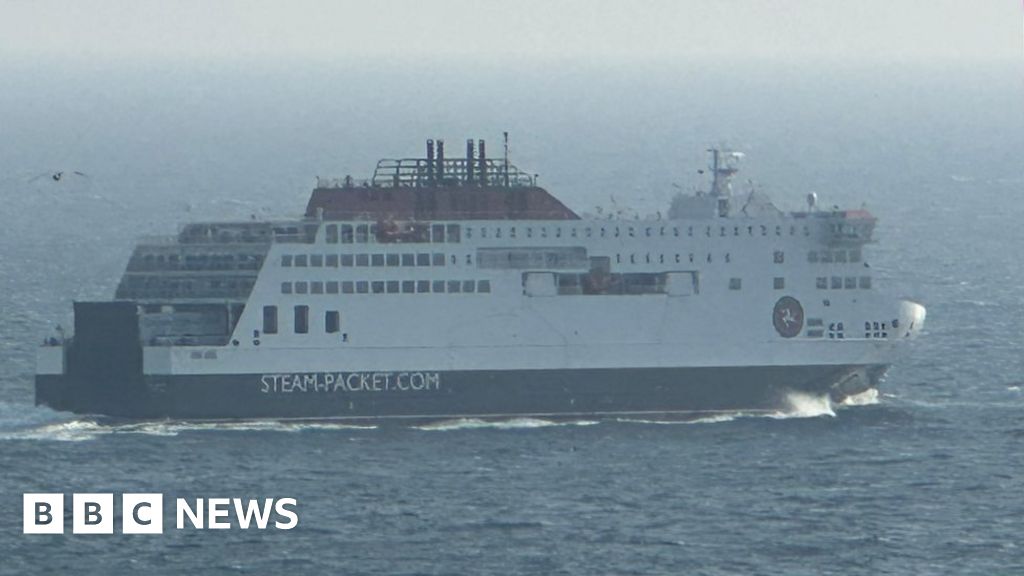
x: 926, y: 476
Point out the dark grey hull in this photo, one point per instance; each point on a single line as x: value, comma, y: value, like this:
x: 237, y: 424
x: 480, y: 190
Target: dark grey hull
x: 431, y: 395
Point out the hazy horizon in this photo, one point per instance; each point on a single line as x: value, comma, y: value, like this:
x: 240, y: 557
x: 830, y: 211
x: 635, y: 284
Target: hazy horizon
x: 793, y: 31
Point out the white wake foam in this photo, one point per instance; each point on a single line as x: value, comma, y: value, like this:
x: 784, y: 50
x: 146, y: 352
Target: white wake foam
x: 866, y: 398
x: 78, y: 430
x: 711, y: 419
x: 507, y: 424
x: 804, y: 405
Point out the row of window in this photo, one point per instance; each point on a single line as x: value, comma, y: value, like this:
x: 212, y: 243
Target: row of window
x: 332, y: 320
x: 829, y: 256
x: 635, y: 231
x: 190, y: 262
x: 489, y: 258
x: 841, y: 283
x: 349, y: 260
x: 388, y: 287
x: 418, y: 232
x: 662, y: 259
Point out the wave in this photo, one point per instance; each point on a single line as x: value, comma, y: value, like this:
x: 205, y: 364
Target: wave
x: 711, y: 419
x: 21, y: 422
x: 504, y: 424
x: 805, y: 405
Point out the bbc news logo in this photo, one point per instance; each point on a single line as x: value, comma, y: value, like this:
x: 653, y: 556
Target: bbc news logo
x: 144, y: 513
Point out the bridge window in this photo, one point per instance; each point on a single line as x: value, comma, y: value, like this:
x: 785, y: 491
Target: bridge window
x: 270, y: 319
x: 377, y: 259
x: 362, y: 233
x: 392, y: 286
x: 362, y: 287
x: 300, y: 260
x: 331, y: 261
x: 346, y: 260
x: 286, y: 260
x: 408, y: 287
x: 377, y: 286
x: 423, y: 259
x: 850, y: 282
x: 454, y: 287
x: 408, y: 259
x: 468, y: 286
x: 391, y: 259
x: 316, y: 287
x: 302, y: 319
x: 423, y: 286
x: 301, y: 287
x: 483, y: 286
x: 346, y: 233
x: 362, y: 259
x: 438, y: 286
x: 437, y: 233
x: 865, y: 282
x: 286, y: 288
x: 332, y: 287
x: 735, y: 284
x: 437, y: 259
x: 316, y: 260
x: 837, y: 283
x: 347, y: 287
x: 332, y: 233
x: 821, y: 283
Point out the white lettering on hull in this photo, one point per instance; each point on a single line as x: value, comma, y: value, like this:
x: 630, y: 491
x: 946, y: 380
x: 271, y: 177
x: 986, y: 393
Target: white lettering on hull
x: 350, y: 382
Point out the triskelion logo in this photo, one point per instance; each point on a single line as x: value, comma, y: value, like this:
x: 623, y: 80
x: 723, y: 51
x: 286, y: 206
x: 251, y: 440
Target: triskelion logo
x: 144, y: 513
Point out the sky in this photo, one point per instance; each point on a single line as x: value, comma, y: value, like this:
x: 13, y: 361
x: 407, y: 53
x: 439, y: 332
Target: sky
x: 525, y: 31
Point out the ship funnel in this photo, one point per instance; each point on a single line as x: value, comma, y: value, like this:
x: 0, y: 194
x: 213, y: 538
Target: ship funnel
x: 469, y: 161
x: 482, y: 162
x: 430, y: 160
x: 439, y: 173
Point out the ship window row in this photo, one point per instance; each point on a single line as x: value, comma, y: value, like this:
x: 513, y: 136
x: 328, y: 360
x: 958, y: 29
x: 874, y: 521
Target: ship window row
x: 300, y: 317
x: 599, y: 282
x: 391, y: 260
x: 878, y: 329
x: 523, y: 258
x: 837, y: 256
x: 633, y: 231
x: 393, y: 232
x: 388, y: 287
x: 843, y: 283
x: 190, y: 262
x: 649, y: 258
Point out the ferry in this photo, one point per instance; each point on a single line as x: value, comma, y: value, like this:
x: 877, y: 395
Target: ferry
x: 456, y: 287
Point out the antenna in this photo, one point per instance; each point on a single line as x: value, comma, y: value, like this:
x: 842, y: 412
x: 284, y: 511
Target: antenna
x: 505, y: 134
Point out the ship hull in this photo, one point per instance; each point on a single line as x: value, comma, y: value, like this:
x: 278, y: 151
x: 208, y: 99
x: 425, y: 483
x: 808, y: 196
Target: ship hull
x: 439, y: 395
